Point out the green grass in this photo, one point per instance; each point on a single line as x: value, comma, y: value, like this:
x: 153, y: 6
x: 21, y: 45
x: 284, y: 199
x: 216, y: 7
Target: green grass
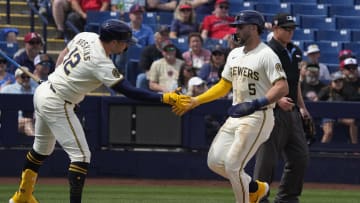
x: 167, y: 194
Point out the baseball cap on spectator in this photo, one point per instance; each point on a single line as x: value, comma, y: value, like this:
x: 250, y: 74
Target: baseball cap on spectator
x: 136, y: 8
x: 19, y: 72
x: 312, y: 48
x: 336, y: 76
x: 42, y: 59
x: 346, y: 53
x: 167, y: 44
x: 185, y: 6
x: 348, y: 63
x: 222, y: 2
x: 195, y: 81
x: 284, y: 20
x: 33, y: 37
x: 312, y: 67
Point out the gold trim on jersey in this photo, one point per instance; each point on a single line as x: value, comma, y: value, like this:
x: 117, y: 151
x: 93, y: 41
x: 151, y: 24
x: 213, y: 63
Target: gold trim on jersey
x: 252, y: 146
x: 74, y: 133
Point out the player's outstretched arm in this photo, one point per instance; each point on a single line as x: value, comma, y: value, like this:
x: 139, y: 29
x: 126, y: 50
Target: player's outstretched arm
x: 217, y: 91
x: 126, y: 88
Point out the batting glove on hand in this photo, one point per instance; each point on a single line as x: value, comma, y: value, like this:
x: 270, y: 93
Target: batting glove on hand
x: 185, y: 106
x: 247, y: 108
x: 175, y: 98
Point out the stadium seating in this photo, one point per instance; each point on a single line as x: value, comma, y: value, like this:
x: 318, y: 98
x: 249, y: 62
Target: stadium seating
x: 268, y: 8
x: 342, y: 10
x: 333, y: 35
x: 329, y: 57
x: 165, y: 18
x: 181, y: 43
x: 95, y: 18
x: 300, y: 1
x: 150, y: 18
x: 333, y: 67
x: 347, y: 22
x: 237, y: 6
x: 317, y: 22
x: 337, y: 2
x: 355, y: 35
x: 353, y: 46
x: 326, y: 46
x: 309, y: 9
x: 268, y: 1
x: 9, y: 48
x: 304, y: 35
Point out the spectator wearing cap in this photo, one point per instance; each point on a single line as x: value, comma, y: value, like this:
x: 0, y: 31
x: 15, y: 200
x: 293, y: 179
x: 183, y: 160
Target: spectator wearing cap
x: 287, y: 132
x: 196, y: 86
x: 152, y: 53
x: 311, y: 85
x: 164, y: 73
x: 123, y: 6
x: 78, y: 15
x: 216, y: 26
x: 22, y: 86
x: 185, y: 74
x: 313, y: 56
x: 197, y: 55
x: 43, y: 66
x: 161, y: 5
x: 25, y: 56
x: 184, y: 21
x: 211, y: 72
x: 6, y: 78
x: 10, y: 34
x: 143, y: 33
x: 349, y: 68
x: 336, y: 91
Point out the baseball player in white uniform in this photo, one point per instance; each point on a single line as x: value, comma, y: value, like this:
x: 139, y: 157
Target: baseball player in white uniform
x: 82, y: 66
x: 255, y: 74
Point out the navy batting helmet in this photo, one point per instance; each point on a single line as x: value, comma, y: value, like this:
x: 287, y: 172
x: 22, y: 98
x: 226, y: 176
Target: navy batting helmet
x: 114, y: 29
x: 249, y: 17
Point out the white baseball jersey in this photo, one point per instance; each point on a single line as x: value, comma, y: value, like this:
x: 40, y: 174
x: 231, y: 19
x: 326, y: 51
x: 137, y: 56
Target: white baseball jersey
x: 251, y: 73
x: 85, y: 68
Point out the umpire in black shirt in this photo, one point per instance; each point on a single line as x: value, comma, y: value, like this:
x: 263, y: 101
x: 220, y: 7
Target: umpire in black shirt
x: 287, y: 137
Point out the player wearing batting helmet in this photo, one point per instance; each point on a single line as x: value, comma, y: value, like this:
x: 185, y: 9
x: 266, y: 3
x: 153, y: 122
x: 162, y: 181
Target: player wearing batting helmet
x: 254, y: 73
x: 287, y: 138
x: 82, y: 66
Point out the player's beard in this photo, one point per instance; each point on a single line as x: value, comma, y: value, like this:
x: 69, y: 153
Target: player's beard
x: 242, y: 40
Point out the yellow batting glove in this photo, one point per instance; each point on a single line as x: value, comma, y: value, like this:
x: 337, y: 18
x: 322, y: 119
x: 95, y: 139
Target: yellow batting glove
x: 184, y: 106
x: 173, y: 98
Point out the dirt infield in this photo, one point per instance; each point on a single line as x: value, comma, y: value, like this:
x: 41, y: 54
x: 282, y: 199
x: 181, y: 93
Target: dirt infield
x: 145, y: 182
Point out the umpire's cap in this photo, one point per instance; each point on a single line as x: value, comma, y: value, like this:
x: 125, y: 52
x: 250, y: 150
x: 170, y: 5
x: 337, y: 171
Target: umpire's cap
x: 114, y: 29
x: 249, y: 17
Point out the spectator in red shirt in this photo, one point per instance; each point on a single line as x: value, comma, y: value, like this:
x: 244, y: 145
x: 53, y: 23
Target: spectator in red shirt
x: 217, y: 25
x: 79, y: 9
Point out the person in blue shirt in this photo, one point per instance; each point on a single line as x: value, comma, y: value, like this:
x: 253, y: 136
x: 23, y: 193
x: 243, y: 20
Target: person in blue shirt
x: 6, y: 78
